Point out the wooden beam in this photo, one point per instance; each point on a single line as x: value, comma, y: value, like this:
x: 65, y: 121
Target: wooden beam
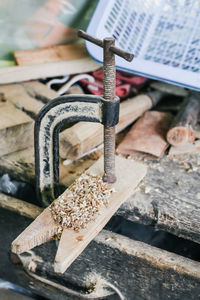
x: 18, y: 108
x: 23, y: 208
x: 16, y: 128
x: 17, y: 95
x: 50, y: 54
x: 52, y: 69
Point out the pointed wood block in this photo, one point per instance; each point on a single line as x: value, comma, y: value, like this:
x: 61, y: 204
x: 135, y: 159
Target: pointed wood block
x: 129, y: 174
x: 40, y: 231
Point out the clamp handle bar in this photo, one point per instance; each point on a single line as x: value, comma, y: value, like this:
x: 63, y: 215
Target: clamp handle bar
x: 126, y: 55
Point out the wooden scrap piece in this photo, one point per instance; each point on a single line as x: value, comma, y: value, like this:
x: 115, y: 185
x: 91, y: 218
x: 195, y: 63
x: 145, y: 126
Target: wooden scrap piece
x: 147, y: 135
x: 39, y: 90
x: 21, y: 207
x: 51, y: 69
x: 182, y: 128
x: 50, y: 54
x: 129, y: 174
x: 41, y: 230
x: 16, y: 129
x: 17, y: 94
x: 18, y: 108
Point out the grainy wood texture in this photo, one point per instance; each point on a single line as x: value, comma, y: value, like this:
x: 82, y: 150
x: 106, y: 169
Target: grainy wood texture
x: 50, y: 54
x: 21, y: 207
x: 16, y: 94
x: 169, y: 197
x: 84, y: 136
x: 129, y: 174
x: 52, y: 69
x: 39, y: 90
x: 147, y: 135
x: 17, y: 110
x: 147, y: 272
x: 40, y: 231
x: 16, y: 128
x: 182, y: 128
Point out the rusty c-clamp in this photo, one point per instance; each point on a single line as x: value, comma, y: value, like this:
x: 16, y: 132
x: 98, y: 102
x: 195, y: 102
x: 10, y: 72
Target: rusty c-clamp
x: 72, y: 108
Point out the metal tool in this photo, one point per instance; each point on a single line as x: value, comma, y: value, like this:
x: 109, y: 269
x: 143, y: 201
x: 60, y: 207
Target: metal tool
x: 70, y: 108
x: 109, y: 83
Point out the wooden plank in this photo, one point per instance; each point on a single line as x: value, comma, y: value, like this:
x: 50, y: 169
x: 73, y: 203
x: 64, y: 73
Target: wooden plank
x: 169, y: 197
x: 40, y: 231
x: 50, y: 54
x: 16, y: 128
x: 147, y: 135
x: 84, y: 136
x: 40, y: 91
x: 129, y: 174
x: 16, y: 94
x: 21, y: 207
x: 52, y: 69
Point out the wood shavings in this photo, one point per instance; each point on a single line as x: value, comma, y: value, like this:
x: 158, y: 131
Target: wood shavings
x: 81, y: 202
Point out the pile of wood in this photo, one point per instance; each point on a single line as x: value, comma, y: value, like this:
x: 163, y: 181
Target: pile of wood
x: 164, y: 198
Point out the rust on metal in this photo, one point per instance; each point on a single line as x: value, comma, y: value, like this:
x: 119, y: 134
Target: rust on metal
x: 109, y: 83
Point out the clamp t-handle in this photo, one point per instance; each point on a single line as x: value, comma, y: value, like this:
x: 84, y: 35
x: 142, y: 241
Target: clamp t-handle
x: 109, y: 83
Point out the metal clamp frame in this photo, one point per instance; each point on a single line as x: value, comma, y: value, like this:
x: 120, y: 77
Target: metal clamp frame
x: 48, y: 123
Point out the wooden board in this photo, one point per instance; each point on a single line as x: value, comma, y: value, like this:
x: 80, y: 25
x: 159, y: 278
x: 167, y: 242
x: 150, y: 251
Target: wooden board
x: 17, y: 113
x: 50, y: 54
x: 17, y: 95
x: 21, y: 207
x: 129, y: 174
x: 16, y: 128
x: 84, y: 136
x: 39, y: 90
x: 52, y: 69
x: 147, y: 135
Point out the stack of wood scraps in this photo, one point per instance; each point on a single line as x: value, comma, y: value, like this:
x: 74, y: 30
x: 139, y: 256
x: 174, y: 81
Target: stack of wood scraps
x: 155, y: 131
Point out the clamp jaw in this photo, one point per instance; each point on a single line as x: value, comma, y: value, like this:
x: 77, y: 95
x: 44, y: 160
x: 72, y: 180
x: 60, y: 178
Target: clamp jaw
x: 70, y: 108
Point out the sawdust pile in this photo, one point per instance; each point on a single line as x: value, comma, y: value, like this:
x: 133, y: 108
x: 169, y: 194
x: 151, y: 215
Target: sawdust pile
x: 81, y: 202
